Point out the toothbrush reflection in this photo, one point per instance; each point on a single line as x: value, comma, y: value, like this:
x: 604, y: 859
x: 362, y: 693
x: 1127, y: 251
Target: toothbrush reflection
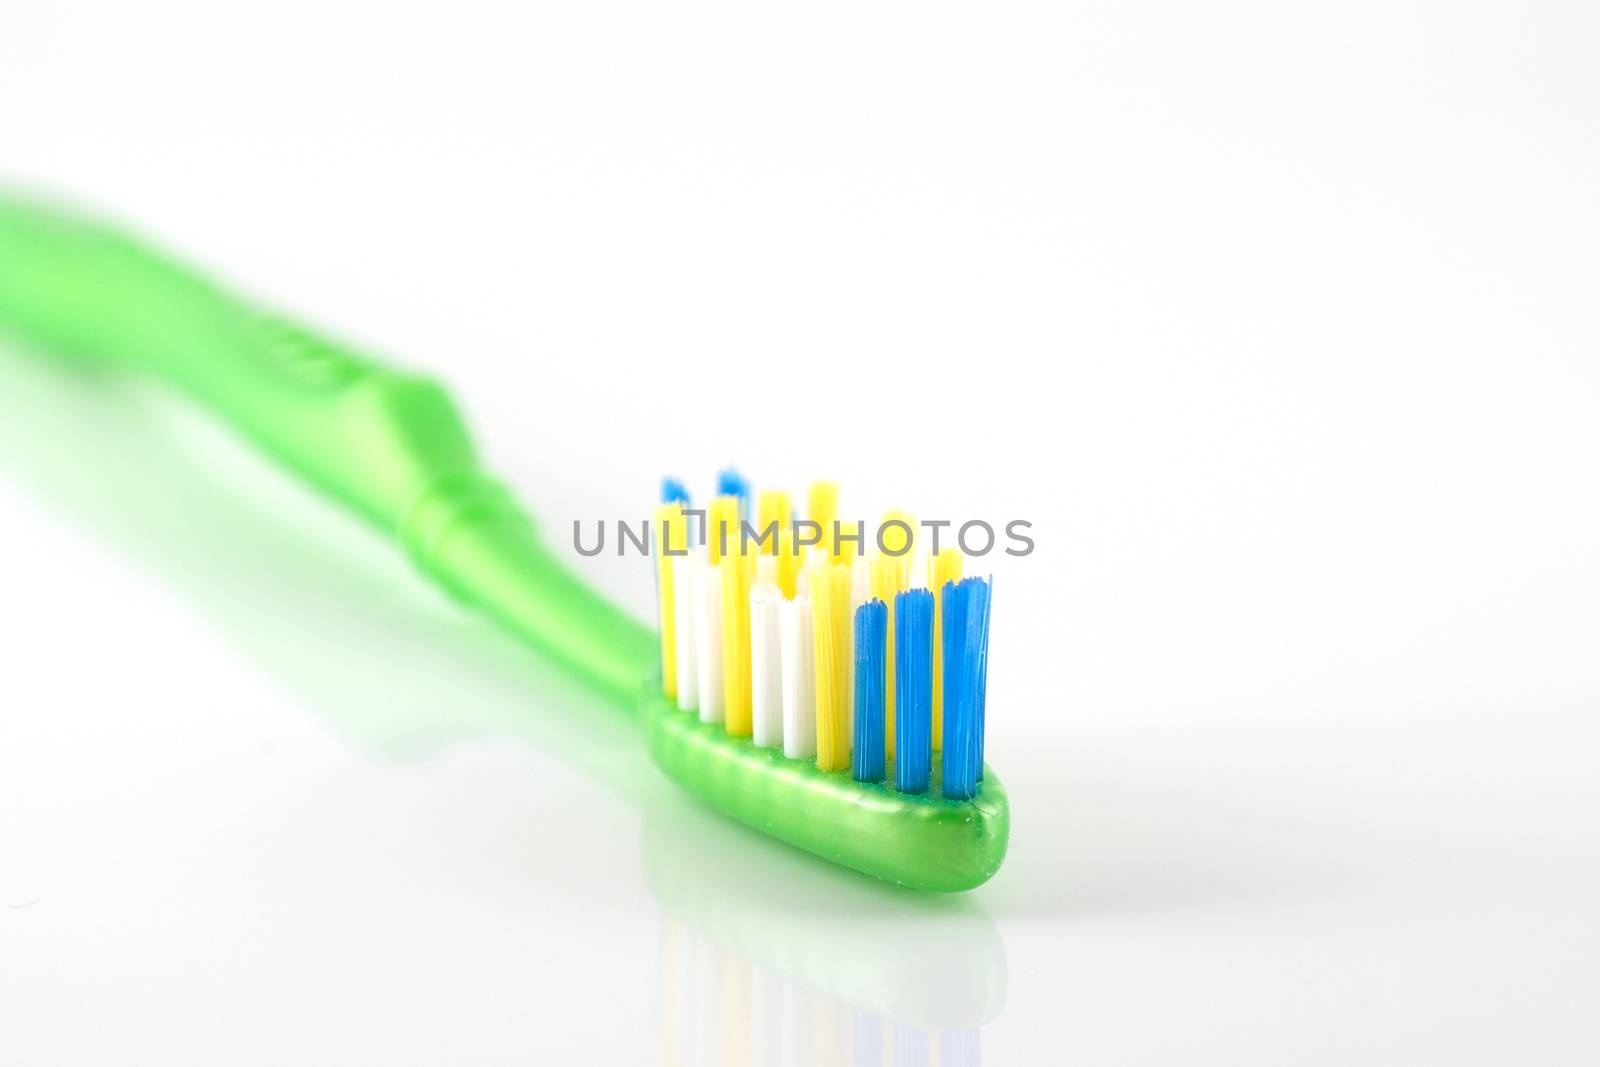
x: 718, y: 1008
x: 767, y: 956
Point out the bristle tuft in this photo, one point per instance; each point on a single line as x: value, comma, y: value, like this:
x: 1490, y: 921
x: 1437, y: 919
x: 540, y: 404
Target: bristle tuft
x: 799, y: 678
x: 708, y: 641
x: 685, y: 579
x: 788, y: 560
x: 966, y: 639
x: 772, y: 508
x: 766, y: 667
x: 913, y: 672
x: 871, y: 630
x: 722, y: 527
x: 731, y: 483
x: 830, y: 620
x: 668, y: 534
x: 737, y: 571
x: 674, y: 492
x: 822, y: 508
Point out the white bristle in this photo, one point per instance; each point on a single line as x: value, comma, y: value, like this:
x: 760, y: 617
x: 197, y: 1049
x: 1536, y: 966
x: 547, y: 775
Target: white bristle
x: 766, y: 570
x: 766, y: 667
x: 684, y: 571
x: 708, y: 640
x: 799, y: 678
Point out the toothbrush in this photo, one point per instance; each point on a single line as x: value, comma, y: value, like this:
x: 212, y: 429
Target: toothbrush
x: 392, y: 447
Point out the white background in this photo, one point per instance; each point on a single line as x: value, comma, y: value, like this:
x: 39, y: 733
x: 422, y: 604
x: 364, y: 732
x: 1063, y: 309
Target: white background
x: 1277, y: 321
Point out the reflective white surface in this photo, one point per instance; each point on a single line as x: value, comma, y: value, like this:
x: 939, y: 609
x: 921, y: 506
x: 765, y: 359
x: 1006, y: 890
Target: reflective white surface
x: 1278, y: 327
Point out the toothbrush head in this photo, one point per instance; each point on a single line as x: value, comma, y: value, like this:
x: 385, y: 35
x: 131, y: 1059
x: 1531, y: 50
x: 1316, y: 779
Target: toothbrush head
x: 831, y: 699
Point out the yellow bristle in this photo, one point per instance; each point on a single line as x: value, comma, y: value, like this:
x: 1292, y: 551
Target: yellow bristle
x: 822, y: 508
x: 943, y: 568
x: 772, y: 506
x: 738, y: 570
x: 788, y: 562
x: 669, y: 531
x: 830, y: 610
x: 888, y: 578
x: 844, y: 639
x: 898, y: 542
x: 847, y: 545
x: 722, y: 527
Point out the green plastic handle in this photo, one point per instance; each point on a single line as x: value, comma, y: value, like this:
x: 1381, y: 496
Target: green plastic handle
x: 389, y: 444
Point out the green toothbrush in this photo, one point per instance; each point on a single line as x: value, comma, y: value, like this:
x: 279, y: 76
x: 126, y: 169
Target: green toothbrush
x: 392, y: 446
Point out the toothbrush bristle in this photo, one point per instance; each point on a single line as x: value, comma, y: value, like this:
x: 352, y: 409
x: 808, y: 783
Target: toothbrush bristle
x: 708, y: 640
x: 766, y: 665
x: 799, y: 678
x: 966, y: 647
x: 913, y: 672
x: 722, y: 528
x: 674, y: 492
x: 857, y: 661
x: 736, y: 568
x: 669, y: 531
x: 871, y: 630
x: 830, y: 619
x: 684, y: 613
x: 822, y: 508
x: 731, y: 483
x: 772, y: 510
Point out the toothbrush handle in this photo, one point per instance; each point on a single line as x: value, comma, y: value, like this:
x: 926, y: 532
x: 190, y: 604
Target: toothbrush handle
x: 391, y: 445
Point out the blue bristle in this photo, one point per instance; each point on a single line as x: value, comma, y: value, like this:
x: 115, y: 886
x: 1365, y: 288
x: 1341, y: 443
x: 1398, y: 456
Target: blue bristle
x: 959, y: 1048
x: 966, y: 635
x: 911, y: 1045
x: 867, y: 1031
x: 872, y: 634
x: 674, y: 492
x: 983, y: 670
x: 959, y: 780
x: 731, y: 483
x: 913, y: 690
